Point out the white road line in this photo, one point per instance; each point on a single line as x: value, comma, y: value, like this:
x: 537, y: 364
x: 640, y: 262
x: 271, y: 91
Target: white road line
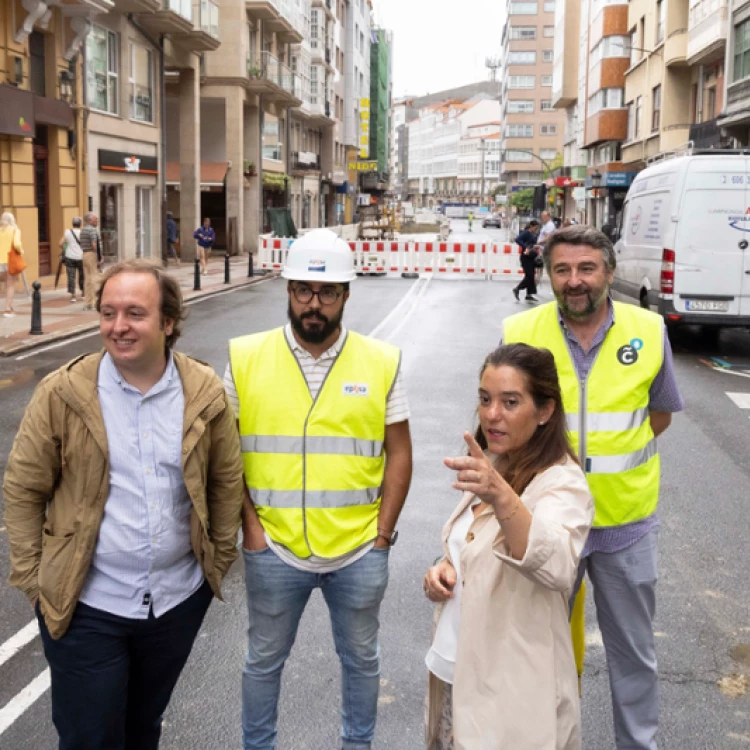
x: 57, y: 345
x: 741, y: 399
x: 393, y: 313
x: 727, y: 371
x: 412, y: 308
x: 15, y: 643
x: 15, y: 707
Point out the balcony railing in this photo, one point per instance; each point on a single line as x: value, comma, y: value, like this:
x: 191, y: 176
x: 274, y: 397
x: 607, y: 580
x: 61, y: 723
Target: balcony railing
x: 305, y: 160
x: 208, y: 17
x: 738, y: 94
x: 183, y: 8
x: 708, y: 34
x: 280, y: 75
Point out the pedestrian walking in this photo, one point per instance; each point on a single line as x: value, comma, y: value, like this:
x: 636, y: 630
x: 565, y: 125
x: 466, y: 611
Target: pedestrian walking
x: 206, y: 237
x: 619, y: 393
x: 11, y: 259
x: 471, y: 220
x: 91, y: 247
x: 548, y: 227
x: 70, y: 244
x: 510, y: 555
x: 323, y: 419
x: 172, y: 237
x: 527, y: 244
x: 123, y: 493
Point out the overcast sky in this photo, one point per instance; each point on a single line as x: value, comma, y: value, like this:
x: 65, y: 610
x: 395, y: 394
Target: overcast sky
x: 439, y: 44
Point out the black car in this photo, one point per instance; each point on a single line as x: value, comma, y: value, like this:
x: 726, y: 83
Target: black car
x: 492, y: 221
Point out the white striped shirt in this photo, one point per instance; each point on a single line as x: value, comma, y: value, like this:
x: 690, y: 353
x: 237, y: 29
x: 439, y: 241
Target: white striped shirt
x: 315, y: 372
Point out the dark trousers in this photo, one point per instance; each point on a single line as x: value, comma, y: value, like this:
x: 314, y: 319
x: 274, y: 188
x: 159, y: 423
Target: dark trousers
x: 112, y: 677
x: 70, y: 268
x: 529, y: 282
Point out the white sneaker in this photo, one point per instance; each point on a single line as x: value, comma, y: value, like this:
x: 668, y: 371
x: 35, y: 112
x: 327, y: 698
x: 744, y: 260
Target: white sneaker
x: 9, y: 315
x: 73, y: 299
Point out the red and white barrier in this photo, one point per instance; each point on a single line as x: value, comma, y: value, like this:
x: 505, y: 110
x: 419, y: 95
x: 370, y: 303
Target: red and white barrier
x: 273, y: 250
x: 504, y: 262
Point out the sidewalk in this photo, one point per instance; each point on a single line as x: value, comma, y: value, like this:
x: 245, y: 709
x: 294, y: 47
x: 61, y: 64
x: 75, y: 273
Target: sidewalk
x: 63, y: 319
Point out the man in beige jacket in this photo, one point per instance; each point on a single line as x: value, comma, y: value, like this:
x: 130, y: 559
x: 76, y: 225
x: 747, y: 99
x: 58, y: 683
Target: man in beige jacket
x: 123, y: 494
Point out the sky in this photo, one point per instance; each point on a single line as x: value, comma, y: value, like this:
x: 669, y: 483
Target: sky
x: 440, y: 44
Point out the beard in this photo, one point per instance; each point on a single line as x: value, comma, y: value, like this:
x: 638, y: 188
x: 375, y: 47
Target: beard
x: 594, y: 298
x: 320, y: 326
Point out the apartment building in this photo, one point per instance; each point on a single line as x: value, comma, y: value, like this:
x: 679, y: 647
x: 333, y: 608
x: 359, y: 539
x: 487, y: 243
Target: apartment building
x: 734, y: 119
x: 532, y: 127
x: 42, y: 141
x: 401, y: 113
x: 478, y: 163
x: 381, y: 82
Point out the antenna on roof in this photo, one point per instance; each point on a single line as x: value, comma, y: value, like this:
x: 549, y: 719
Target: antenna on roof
x: 493, y: 64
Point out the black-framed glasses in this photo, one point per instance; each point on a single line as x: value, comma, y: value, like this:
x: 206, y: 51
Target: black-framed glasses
x: 328, y: 295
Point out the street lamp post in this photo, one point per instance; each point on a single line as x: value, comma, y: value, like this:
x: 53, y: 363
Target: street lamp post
x: 596, y: 181
x: 481, y: 189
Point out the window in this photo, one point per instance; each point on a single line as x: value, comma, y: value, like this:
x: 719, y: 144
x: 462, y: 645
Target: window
x: 548, y: 55
x: 548, y: 154
x: 742, y: 50
x: 547, y: 105
x: 656, y: 108
x: 523, y: 9
x: 549, y: 32
x: 271, y: 138
x: 523, y: 32
x: 606, y: 99
x: 518, y: 156
x: 631, y: 122
x: 37, y: 63
x: 520, y: 82
x: 610, y: 46
x: 661, y: 11
x: 520, y: 106
x: 101, y: 70
x: 548, y: 130
x: 141, y: 84
x: 549, y: 6
x: 519, y: 131
x: 361, y: 42
x: 522, y: 58
x: 635, y: 52
x: 526, y: 178
x: 638, y: 110
x: 546, y: 80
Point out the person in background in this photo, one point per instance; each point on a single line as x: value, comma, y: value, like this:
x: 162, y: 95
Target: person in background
x: 548, y: 227
x: 471, y: 220
x: 567, y: 223
x: 10, y: 241
x: 91, y: 247
x: 70, y: 244
x: 526, y: 242
x: 123, y: 492
x: 206, y: 237
x: 172, y: 238
x: 502, y: 672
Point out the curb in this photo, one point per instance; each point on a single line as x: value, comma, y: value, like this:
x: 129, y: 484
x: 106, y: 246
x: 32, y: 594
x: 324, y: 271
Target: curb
x: 28, y: 344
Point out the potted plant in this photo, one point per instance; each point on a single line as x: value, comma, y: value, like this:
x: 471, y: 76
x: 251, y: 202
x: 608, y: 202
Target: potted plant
x: 253, y: 71
x: 249, y: 168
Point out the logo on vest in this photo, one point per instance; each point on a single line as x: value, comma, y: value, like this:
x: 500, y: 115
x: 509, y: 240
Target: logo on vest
x: 628, y: 354
x: 355, y: 389
x: 317, y: 265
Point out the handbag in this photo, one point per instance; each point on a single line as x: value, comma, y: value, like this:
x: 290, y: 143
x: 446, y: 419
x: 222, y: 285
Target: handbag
x: 538, y: 260
x: 16, y: 263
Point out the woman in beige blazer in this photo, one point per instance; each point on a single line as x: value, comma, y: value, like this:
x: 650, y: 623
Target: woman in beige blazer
x: 502, y: 673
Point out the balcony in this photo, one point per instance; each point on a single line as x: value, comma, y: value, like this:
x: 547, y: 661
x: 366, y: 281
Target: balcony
x: 280, y: 16
x: 326, y: 6
x: 305, y: 161
x: 173, y: 17
x: 274, y: 80
x: 675, y: 48
x: 707, y: 38
x: 738, y: 98
x: 322, y: 55
x: 706, y: 134
x: 204, y: 36
x: 138, y: 6
x: 316, y: 112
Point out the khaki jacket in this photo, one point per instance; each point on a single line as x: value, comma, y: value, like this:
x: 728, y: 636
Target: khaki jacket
x: 57, y: 483
x: 515, y: 685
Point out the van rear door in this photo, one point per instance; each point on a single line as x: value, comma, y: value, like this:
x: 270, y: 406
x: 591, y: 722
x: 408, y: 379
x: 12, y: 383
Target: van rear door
x: 713, y: 224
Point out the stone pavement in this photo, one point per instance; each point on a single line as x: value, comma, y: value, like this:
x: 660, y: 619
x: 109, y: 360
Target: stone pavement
x: 63, y: 319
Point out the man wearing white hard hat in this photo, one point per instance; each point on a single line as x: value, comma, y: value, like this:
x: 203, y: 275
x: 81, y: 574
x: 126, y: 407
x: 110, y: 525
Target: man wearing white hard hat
x: 323, y: 421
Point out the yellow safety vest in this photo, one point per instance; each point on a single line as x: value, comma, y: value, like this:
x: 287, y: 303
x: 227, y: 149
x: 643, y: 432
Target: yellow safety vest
x: 314, y: 468
x: 607, y: 414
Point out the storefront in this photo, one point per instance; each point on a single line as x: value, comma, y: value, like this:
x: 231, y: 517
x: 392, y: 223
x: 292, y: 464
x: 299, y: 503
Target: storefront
x: 605, y: 200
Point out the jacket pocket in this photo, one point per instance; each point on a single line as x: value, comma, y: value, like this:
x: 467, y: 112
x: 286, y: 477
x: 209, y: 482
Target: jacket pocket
x: 54, y: 567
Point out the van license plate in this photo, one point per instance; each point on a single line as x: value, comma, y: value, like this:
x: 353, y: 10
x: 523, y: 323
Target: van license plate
x: 707, y: 305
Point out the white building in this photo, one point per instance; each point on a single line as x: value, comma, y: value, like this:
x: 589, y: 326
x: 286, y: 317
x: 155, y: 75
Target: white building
x: 478, y: 158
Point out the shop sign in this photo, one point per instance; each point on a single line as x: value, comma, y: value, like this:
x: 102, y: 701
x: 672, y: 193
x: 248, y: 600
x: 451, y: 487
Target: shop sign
x: 364, y: 128
x: 17, y: 112
x: 121, y: 161
x: 564, y: 182
x: 363, y: 166
x: 614, y: 179
x: 579, y: 194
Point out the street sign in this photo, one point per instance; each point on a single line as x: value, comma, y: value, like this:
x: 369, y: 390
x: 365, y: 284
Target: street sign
x: 363, y: 166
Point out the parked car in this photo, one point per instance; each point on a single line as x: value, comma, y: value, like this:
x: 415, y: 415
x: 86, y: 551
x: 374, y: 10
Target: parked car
x: 493, y: 220
x: 682, y: 241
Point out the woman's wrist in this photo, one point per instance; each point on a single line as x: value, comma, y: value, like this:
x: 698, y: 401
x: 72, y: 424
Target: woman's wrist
x: 505, y: 503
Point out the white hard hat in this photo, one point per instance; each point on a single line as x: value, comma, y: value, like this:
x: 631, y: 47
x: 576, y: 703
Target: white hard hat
x: 320, y: 255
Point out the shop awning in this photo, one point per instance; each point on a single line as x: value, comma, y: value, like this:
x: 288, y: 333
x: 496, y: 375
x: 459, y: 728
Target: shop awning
x: 213, y: 173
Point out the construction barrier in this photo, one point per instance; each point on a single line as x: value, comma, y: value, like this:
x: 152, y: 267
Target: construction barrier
x: 477, y: 260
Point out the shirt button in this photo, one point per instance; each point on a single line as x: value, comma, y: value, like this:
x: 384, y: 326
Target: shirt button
x: 154, y: 539
x: 470, y: 536
x: 145, y: 436
x: 148, y: 471
x: 153, y: 506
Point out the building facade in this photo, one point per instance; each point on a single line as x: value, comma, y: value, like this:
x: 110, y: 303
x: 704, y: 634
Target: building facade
x: 727, y: 25
x: 478, y: 163
x: 380, y: 100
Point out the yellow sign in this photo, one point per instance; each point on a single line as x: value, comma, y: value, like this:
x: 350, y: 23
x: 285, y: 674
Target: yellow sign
x: 364, y: 129
x: 363, y: 166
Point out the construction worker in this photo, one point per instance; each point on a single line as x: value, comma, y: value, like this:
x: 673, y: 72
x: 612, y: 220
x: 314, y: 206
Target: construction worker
x: 471, y: 220
x: 323, y: 420
x: 619, y: 392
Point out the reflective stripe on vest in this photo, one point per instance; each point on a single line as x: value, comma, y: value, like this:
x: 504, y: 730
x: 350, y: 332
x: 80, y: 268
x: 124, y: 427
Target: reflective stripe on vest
x: 618, y: 450
x: 314, y: 467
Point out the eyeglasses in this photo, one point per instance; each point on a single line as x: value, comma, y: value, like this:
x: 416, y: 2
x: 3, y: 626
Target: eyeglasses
x: 327, y: 295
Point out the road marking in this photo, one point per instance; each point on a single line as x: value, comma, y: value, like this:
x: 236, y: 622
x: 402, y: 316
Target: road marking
x: 396, y: 310
x: 15, y: 643
x: 15, y: 707
x: 741, y: 399
x: 412, y: 308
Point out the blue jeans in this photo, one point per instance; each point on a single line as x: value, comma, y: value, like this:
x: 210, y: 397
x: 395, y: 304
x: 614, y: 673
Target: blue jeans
x: 276, y: 598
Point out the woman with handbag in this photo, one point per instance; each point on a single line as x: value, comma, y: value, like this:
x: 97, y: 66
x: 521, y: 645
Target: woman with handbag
x: 11, y: 258
x: 526, y: 241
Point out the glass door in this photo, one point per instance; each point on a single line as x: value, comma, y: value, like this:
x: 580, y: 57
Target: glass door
x: 143, y: 222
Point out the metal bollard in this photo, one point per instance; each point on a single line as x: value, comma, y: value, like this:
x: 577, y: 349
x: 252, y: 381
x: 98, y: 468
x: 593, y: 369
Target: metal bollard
x: 250, y: 269
x: 227, y: 279
x: 197, y: 275
x: 36, y: 310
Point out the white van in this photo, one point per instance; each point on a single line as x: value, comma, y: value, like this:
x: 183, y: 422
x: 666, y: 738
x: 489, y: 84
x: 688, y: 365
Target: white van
x: 682, y: 242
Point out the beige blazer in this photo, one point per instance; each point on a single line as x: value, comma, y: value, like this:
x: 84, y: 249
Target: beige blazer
x: 516, y: 684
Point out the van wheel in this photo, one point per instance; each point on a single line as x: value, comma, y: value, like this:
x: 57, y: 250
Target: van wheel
x: 644, y: 299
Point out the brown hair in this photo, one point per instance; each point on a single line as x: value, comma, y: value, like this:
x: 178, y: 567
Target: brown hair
x: 171, y: 305
x: 579, y: 234
x: 549, y: 444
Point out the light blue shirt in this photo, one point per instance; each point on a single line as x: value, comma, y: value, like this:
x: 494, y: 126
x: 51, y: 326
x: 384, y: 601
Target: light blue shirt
x: 143, y: 557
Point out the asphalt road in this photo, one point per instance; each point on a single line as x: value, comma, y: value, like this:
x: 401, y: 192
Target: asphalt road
x: 445, y: 327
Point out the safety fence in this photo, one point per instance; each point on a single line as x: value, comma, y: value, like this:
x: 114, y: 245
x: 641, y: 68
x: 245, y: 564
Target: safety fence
x: 478, y: 260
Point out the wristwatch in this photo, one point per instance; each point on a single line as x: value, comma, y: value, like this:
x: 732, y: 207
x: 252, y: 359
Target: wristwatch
x: 389, y: 536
